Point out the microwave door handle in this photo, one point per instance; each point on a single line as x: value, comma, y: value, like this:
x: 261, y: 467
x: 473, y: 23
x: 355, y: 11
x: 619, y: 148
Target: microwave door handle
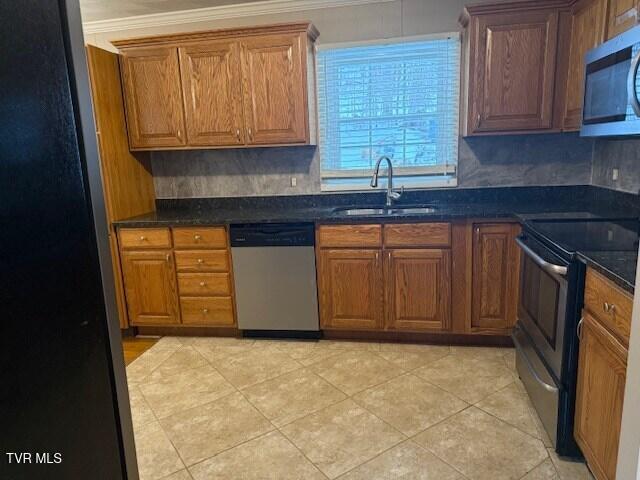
x: 631, y: 84
x: 541, y: 262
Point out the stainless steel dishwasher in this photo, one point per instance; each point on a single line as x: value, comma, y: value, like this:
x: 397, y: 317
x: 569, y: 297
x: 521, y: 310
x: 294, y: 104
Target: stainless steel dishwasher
x: 274, y: 268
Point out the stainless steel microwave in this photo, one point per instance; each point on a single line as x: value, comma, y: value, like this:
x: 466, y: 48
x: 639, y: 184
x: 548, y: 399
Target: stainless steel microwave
x: 612, y: 88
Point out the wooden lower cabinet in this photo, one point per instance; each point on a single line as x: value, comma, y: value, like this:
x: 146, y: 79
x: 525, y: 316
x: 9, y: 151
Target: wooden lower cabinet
x: 601, y: 382
x: 150, y: 287
x: 418, y: 289
x: 495, y: 277
x: 350, y: 284
x: 188, y: 283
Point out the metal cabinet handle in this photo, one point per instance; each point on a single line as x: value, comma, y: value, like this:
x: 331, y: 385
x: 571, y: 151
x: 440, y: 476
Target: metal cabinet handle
x: 168, y: 257
x: 238, y: 134
x: 579, y: 329
x: 200, y: 261
x: 202, y: 284
x: 541, y: 262
x: 250, y: 133
x: 142, y: 238
x: 631, y: 85
x: 609, y: 307
x: 205, y: 310
x: 377, y: 258
x: 197, y: 237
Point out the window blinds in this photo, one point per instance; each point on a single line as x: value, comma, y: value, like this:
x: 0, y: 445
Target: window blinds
x: 400, y: 100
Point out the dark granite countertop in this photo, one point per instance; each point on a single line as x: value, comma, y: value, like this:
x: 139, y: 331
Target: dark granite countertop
x: 518, y: 203
x: 620, y: 267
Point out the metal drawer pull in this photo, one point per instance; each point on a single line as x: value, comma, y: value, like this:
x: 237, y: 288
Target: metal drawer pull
x: 541, y: 262
x: 205, y: 310
x: 197, y: 237
x: 609, y: 307
x: 545, y: 385
x: 142, y: 238
x: 202, y: 284
x: 200, y: 261
x: 579, y: 329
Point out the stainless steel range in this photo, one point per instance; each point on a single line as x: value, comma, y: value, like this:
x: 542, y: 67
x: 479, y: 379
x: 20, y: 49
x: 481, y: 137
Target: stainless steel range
x: 549, y: 309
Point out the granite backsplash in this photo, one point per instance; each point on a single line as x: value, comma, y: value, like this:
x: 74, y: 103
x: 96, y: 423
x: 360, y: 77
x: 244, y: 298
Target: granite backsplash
x: 558, y: 159
x: 623, y: 155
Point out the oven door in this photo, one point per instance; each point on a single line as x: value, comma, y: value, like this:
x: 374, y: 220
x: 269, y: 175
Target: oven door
x: 612, y: 87
x: 542, y: 305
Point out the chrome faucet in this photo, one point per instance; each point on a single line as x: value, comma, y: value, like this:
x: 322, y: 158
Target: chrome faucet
x: 391, y: 194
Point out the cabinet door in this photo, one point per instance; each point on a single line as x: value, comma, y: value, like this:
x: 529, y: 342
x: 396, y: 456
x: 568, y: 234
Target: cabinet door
x: 153, y: 94
x: 350, y: 287
x: 623, y: 14
x: 211, y: 81
x: 275, y: 92
x: 513, y: 72
x: 150, y: 286
x: 496, y: 262
x: 418, y: 287
x: 589, y: 19
x: 601, y: 380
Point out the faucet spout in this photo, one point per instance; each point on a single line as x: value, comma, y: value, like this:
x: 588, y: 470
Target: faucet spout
x: 391, y: 194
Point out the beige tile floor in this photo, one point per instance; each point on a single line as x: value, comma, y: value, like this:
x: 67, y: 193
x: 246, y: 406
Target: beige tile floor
x: 224, y: 408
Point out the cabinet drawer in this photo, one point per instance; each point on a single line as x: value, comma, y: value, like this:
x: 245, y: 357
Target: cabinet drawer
x: 215, y: 237
x: 204, y: 284
x: 609, y: 304
x: 417, y: 235
x: 207, y: 311
x: 144, y: 238
x: 350, y: 236
x: 202, y: 261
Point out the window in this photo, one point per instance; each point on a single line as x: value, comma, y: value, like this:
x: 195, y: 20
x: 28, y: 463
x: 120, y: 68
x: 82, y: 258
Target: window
x: 397, y: 99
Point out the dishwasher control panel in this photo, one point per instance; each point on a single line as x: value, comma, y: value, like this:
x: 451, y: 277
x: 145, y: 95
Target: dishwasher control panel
x: 272, y: 235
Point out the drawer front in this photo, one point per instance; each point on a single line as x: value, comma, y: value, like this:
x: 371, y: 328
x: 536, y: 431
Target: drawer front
x: 417, y: 235
x: 215, y: 311
x: 204, y: 284
x: 215, y: 237
x: 350, y: 236
x: 609, y: 304
x: 202, y: 261
x: 144, y: 238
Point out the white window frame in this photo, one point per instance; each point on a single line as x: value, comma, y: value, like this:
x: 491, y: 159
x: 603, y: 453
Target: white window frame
x: 436, y: 176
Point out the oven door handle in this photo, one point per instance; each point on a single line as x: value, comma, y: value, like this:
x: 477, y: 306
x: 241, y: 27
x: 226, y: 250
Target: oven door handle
x: 530, y: 367
x: 541, y: 262
x: 631, y: 84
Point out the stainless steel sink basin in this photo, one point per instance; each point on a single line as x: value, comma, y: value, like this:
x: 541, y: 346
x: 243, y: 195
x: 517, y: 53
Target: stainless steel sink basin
x: 363, y: 212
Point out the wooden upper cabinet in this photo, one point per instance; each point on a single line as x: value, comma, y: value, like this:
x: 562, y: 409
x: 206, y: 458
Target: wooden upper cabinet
x: 600, y: 396
x: 511, y: 71
x: 275, y: 95
x: 222, y: 88
x: 418, y: 284
x: 496, y: 261
x: 150, y: 285
x: 350, y: 287
x: 589, y: 22
x: 153, y: 94
x: 212, y: 84
x: 623, y: 15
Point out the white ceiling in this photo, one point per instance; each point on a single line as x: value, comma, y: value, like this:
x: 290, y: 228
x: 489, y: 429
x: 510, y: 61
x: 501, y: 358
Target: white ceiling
x: 107, y: 9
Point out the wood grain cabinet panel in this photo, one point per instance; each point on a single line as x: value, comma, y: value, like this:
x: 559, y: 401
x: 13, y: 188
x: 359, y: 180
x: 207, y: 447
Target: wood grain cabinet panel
x: 150, y: 285
x: 275, y: 95
x: 496, y: 260
x: 351, y: 291
x: 204, y: 284
x: 207, y: 311
x: 589, y: 21
x: 600, y: 396
x: 200, y: 237
x: 417, y: 235
x: 212, y: 84
x: 357, y: 236
x: 154, y: 106
x: 418, y: 289
x: 141, y: 238
x: 623, y: 15
x: 512, y: 71
x: 202, y: 260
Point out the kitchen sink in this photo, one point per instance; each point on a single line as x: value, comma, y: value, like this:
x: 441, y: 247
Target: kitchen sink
x: 363, y: 212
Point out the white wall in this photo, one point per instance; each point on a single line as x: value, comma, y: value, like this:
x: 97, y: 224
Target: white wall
x: 628, y: 455
x: 364, y: 22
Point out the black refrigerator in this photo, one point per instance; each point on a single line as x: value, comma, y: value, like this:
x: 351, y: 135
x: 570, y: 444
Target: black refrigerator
x: 64, y: 408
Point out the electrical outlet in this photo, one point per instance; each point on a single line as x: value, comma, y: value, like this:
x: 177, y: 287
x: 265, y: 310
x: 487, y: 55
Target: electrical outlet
x: 615, y: 173
x: 294, y: 181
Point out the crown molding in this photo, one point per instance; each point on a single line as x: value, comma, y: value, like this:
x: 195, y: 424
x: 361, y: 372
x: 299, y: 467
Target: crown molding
x: 266, y: 7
